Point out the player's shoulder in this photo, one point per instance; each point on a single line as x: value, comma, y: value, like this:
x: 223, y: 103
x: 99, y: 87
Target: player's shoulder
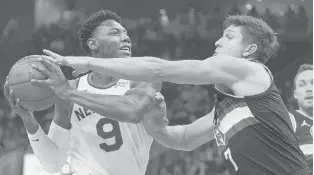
x: 137, y: 84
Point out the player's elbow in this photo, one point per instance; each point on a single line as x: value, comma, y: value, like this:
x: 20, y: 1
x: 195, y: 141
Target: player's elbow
x: 52, y: 167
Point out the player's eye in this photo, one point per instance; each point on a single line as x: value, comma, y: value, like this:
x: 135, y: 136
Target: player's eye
x: 301, y: 84
x: 114, y: 32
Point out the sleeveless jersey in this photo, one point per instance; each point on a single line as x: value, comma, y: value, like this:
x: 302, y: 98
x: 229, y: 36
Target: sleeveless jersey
x: 304, y: 133
x: 102, y: 146
x: 254, y: 134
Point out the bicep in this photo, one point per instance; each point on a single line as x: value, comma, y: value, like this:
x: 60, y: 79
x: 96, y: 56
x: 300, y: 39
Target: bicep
x: 214, y: 70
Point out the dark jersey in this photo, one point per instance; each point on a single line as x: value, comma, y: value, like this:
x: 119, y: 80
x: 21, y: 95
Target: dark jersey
x: 304, y: 133
x: 255, y: 136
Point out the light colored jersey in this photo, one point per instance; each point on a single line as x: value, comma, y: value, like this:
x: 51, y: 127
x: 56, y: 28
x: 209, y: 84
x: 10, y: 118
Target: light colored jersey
x: 100, y: 145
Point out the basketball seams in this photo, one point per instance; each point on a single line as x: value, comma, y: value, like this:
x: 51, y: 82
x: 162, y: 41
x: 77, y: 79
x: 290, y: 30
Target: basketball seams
x: 39, y: 99
x: 27, y: 59
x: 17, y: 66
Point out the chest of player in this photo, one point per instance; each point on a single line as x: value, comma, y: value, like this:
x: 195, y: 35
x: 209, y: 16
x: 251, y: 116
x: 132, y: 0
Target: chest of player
x: 230, y: 118
x: 304, y: 130
x: 81, y: 116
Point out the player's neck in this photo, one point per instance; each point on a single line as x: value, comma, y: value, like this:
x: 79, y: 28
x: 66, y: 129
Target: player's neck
x: 306, y: 112
x: 101, y: 80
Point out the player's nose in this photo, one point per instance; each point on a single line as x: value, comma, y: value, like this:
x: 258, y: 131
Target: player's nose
x: 218, y: 43
x: 309, y: 88
x: 125, y: 38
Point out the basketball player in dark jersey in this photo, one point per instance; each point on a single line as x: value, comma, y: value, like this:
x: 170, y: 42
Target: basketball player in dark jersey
x: 251, y: 126
x: 302, y: 119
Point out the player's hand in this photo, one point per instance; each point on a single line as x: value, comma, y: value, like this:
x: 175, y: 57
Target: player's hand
x: 156, y: 119
x: 79, y: 64
x: 16, y: 105
x: 55, y: 78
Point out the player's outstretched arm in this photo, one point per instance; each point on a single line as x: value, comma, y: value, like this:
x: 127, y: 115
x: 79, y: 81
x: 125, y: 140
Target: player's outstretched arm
x: 186, y: 137
x: 216, y: 69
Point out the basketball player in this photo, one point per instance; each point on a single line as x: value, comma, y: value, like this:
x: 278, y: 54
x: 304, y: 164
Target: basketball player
x: 302, y: 119
x: 103, y: 134
x: 252, y: 127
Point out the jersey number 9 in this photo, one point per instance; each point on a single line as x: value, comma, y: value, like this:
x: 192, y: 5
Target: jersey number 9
x: 114, y: 133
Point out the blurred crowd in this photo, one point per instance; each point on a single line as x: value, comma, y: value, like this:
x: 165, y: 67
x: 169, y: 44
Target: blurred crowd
x: 191, y: 34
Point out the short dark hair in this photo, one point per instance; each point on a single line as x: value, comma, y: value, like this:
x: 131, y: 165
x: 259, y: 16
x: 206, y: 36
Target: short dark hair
x: 89, y: 26
x: 262, y: 35
x: 302, y: 68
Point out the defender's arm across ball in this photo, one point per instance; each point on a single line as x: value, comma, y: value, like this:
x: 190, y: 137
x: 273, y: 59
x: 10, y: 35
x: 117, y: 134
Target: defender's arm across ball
x: 131, y: 107
x: 216, y: 69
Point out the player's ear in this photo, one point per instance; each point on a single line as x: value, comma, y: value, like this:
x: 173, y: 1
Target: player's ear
x: 249, y: 50
x: 92, y: 44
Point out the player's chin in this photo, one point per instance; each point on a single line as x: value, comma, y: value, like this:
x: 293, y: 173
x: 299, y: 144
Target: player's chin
x: 308, y: 104
x: 124, y: 53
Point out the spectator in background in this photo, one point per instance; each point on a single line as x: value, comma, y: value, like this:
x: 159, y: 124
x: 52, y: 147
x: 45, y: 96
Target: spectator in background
x: 302, y: 118
x: 164, y: 20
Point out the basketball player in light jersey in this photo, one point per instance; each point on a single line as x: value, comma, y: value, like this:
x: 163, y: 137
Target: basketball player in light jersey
x: 252, y: 127
x: 103, y: 134
x: 302, y: 119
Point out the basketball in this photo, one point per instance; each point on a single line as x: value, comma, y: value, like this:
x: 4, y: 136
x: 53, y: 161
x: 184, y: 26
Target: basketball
x: 32, y: 97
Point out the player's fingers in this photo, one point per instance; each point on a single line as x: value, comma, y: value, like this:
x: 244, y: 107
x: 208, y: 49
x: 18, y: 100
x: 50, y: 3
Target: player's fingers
x: 165, y: 121
x: 43, y: 83
x: 6, y: 90
x: 18, y: 104
x: 47, y: 64
x: 44, y: 70
x: 52, y: 54
x: 160, y: 98
x: 11, y: 98
x: 75, y: 73
x: 45, y: 57
x: 162, y: 106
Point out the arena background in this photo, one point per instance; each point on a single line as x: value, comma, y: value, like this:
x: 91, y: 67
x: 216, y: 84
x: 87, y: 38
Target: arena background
x: 187, y: 30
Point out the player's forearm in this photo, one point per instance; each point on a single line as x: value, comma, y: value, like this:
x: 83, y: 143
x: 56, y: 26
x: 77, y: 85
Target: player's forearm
x: 30, y: 124
x: 145, y: 69
x: 187, y: 137
x: 152, y: 69
x: 116, y: 107
x: 61, y: 117
x: 49, y: 154
x: 172, y: 137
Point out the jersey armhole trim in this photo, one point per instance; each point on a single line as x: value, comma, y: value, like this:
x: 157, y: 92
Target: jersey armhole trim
x: 72, y: 104
x: 293, y: 122
x: 271, y: 87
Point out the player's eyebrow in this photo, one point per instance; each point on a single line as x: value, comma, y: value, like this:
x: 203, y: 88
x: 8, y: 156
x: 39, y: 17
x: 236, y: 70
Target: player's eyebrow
x: 229, y: 31
x: 119, y: 29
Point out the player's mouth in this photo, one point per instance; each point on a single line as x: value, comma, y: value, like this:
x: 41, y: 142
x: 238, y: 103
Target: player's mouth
x: 309, y: 98
x: 126, y: 48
